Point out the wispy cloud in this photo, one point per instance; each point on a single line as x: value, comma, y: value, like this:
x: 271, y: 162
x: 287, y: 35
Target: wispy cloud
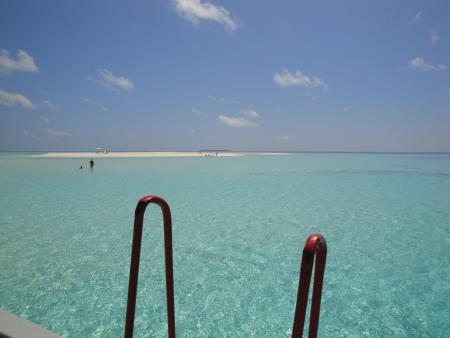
x: 221, y: 99
x: 29, y: 134
x: 94, y: 104
x: 434, y: 37
x: 419, y: 63
x: 44, y: 118
x: 311, y: 97
x: 251, y: 113
x: 111, y: 81
x: 197, y: 111
x: 417, y: 18
x: 15, y: 99
x: 285, y: 138
x: 57, y: 133
x: 23, y: 63
x: 285, y: 78
x: 197, y: 10
x: 236, y: 122
x: 51, y: 105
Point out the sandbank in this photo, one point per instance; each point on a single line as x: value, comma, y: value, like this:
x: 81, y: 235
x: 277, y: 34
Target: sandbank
x: 120, y: 154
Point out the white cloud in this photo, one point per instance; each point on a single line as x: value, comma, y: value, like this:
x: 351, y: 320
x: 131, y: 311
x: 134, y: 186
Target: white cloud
x: 251, y: 113
x: 15, y: 99
x: 111, y: 81
x: 197, y: 111
x: 103, y: 108
x: 44, y: 118
x: 197, y: 10
x: 287, y: 79
x: 419, y: 63
x: 434, y: 37
x: 57, y: 133
x: 236, y: 122
x: 221, y: 99
x: 50, y: 105
x: 313, y: 98
x: 285, y: 138
x: 346, y: 109
x: 86, y: 100
x: 23, y: 63
x: 417, y: 18
x: 27, y: 133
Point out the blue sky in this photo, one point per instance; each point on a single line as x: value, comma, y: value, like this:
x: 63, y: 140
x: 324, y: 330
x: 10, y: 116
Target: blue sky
x: 225, y: 74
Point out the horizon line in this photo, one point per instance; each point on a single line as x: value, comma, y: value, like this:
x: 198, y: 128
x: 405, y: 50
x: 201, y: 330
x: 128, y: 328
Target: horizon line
x: 238, y: 151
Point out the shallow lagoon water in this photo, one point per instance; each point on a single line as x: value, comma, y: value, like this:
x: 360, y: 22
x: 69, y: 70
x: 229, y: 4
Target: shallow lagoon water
x: 239, y: 227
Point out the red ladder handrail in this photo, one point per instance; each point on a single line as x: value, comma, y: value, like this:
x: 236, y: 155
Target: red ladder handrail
x: 315, y: 246
x: 134, y: 265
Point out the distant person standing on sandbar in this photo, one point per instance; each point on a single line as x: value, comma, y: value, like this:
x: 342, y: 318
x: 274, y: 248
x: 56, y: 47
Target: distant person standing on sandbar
x: 91, y: 163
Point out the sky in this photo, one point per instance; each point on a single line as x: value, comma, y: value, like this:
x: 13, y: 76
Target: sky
x: 225, y: 74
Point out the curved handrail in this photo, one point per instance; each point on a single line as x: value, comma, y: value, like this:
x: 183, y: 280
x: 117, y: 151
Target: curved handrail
x: 134, y: 265
x: 314, y: 244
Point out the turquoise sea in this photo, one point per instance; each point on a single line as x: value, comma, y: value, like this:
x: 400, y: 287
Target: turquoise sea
x: 239, y: 227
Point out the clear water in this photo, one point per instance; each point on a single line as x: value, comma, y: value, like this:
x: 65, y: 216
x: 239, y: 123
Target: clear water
x: 239, y: 228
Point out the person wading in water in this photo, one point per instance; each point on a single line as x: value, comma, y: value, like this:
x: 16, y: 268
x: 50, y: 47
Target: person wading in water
x: 91, y: 163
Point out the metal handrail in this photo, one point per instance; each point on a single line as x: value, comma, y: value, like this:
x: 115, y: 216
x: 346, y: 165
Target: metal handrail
x: 134, y: 265
x: 315, y: 245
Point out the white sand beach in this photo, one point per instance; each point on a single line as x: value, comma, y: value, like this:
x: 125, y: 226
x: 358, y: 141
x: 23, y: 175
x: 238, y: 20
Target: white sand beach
x: 153, y: 154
